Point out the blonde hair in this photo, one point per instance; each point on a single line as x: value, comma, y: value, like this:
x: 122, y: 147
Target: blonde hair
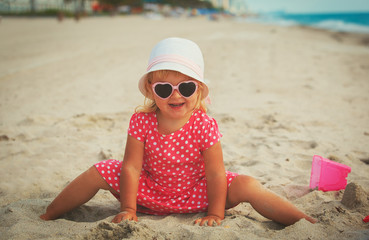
x: 150, y: 105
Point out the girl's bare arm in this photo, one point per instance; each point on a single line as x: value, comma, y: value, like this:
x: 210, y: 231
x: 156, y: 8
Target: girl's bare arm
x: 130, y: 174
x: 216, y: 185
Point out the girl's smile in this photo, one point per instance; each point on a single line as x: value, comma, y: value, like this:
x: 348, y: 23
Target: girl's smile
x: 178, y: 105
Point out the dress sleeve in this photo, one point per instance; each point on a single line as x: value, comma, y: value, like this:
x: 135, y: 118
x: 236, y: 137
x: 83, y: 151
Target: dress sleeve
x: 138, y: 126
x: 210, y: 134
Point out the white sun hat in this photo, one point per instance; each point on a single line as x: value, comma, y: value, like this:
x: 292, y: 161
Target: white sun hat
x: 177, y: 54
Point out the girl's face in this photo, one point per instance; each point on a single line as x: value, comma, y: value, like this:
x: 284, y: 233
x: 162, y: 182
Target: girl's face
x: 175, y: 106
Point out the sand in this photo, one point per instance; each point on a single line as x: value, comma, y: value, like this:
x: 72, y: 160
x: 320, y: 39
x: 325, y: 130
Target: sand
x: 280, y: 95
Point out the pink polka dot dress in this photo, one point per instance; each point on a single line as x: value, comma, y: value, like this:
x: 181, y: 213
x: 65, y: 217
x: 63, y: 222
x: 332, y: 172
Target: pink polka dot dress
x: 172, y: 179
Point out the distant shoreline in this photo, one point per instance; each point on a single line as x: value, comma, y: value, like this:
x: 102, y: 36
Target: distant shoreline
x: 357, y: 22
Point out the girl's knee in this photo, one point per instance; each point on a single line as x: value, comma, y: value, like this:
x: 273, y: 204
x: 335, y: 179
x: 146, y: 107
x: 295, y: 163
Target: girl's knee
x: 249, y: 186
x: 242, y: 189
x: 248, y: 182
x: 93, y: 176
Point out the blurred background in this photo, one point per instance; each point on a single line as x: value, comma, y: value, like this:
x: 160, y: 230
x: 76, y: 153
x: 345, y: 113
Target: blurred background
x: 336, y: 15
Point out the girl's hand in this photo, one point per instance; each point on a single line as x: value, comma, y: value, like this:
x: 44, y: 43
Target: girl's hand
x: 211, y: 220
x: 125, y: 215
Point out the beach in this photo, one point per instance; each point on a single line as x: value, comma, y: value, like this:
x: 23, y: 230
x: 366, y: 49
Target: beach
x: 280, y: 96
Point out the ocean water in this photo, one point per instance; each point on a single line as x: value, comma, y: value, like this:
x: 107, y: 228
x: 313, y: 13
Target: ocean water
x: 339, y: 22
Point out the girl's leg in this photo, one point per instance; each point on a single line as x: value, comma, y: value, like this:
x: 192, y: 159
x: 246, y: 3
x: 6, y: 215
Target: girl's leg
x: 78, y: 192
x: 247, y: 189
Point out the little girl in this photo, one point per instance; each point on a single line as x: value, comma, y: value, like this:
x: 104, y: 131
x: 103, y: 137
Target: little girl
x: 173, y: 161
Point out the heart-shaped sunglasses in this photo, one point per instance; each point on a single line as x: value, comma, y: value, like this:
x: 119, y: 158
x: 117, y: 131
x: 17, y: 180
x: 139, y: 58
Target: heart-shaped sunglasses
x: 165, y: 89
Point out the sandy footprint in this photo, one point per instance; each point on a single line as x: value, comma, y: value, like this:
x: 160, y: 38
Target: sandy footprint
x: 307, y: 145
x: 92, y: 121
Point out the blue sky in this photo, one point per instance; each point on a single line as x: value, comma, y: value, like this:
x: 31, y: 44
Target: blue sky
x: 299, y: 6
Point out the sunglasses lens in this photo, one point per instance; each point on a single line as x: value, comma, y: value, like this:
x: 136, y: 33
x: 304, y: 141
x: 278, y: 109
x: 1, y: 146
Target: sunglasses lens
x: 187, y: 88
x: 163, y: 90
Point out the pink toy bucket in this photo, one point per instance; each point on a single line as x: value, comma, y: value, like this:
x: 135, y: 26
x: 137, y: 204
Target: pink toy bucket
x: 327, y: 175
